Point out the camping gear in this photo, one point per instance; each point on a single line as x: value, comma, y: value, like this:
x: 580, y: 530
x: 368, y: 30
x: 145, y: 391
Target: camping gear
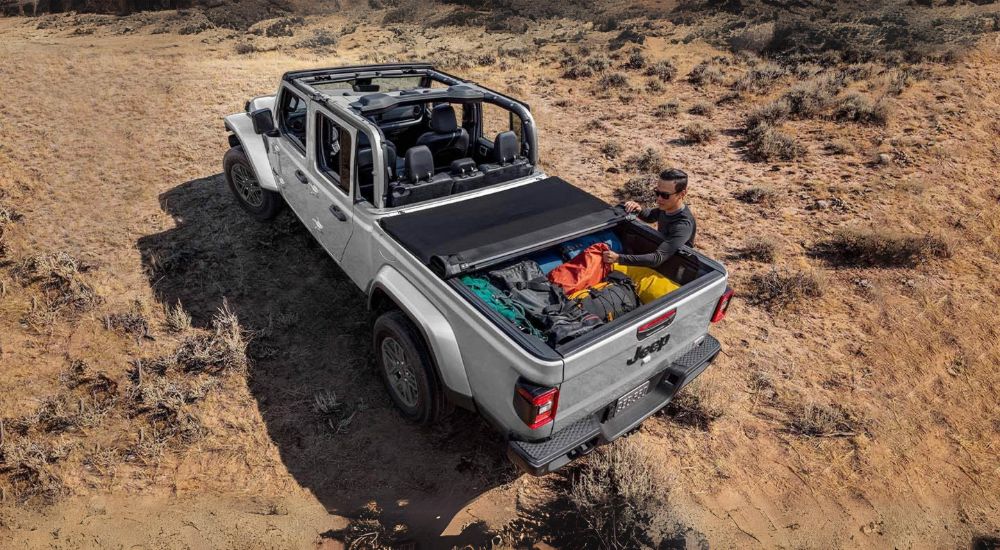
x: 572, y: 249
x: 584, y: 271
x: 566, y: 321
x: 501, y: 303
x: 609, y: 299
x: 650, y: 284
x: 547, y: 260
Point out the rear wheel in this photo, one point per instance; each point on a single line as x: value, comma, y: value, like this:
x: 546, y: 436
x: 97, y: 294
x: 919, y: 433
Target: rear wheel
x: 405, y: 366
x: 242, y: 180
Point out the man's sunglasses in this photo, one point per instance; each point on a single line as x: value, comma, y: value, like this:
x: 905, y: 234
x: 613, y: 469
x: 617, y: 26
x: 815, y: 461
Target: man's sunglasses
x: 663, y: 195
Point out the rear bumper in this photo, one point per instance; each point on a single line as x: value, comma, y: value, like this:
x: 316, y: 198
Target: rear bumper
x: 582, y: 437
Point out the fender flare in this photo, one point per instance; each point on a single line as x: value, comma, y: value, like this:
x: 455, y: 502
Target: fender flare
x: 253, y: 145
x: 389, y: 284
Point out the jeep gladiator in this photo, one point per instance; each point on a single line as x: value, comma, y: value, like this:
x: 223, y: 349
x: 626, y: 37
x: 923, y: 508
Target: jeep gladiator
x: 409, y: 178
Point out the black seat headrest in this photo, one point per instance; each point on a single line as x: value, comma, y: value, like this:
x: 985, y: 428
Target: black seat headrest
x: 419, y: 163
x: 462, y: 166
x: 505, y: 147
x: 443, y: 119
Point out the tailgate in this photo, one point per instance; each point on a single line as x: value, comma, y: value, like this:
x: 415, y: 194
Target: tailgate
x: 598, y: 374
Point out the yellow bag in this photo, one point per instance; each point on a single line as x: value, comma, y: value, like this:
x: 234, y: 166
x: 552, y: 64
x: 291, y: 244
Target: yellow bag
x: 586, y: 292
x: 649, y: 284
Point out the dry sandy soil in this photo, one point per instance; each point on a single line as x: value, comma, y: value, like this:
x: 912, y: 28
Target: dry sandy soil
x: 866, y: 416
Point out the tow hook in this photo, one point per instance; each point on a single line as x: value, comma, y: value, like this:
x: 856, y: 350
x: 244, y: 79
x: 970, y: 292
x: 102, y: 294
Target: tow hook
x: 583, y: 450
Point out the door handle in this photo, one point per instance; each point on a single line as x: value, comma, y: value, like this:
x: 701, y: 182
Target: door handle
x: 302, y: 177
x: 338, y: 213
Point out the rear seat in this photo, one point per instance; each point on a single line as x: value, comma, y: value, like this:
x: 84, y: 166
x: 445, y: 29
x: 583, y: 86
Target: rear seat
x: 506, y: 165
x: 466, y: 175
x: 419, y: 183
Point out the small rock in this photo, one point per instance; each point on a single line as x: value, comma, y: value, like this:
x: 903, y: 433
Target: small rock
x: 821, y: 204
x: 883, y: 159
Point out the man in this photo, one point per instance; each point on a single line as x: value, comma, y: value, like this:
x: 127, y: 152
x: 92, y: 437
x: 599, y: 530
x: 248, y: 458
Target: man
x: 673, y: 219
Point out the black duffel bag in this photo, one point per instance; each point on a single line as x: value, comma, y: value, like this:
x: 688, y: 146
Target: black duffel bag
x: 613, y: 300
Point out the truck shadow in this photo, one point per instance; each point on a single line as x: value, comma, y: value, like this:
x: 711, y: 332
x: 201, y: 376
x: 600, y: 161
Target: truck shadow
x: 313, y: 376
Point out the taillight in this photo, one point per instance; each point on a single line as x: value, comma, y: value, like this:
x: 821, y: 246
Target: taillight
x: 536, y: 405
x: 656, y: 323
x: 723, y: 305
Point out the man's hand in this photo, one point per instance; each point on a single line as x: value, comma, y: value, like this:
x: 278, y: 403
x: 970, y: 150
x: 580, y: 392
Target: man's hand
x: 632, y: 207
x: 610, y: 256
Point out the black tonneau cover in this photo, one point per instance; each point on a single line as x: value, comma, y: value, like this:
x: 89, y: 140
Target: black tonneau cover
x: 467, y: 235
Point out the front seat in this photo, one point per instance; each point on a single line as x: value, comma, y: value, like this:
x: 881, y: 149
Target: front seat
x: 446, y: 140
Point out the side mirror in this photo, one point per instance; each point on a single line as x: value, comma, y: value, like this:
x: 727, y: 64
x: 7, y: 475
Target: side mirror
x: 263, y: 121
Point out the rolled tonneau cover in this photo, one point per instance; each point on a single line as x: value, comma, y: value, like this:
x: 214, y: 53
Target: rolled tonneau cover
x: 467, y: 235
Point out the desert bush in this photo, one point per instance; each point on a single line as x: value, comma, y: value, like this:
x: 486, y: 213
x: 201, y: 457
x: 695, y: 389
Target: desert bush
x: 855, y: 107
x: 177, y: 319
x: 693, y: 407
x: 769, y: 113
x: 649, y: 160
x: 613, y: 80
x: 403, y: 13
x: 366, y: 530
x: 653, y: 86
x: 757, y: 249
x: 870, y: 248
x: 839, y: 147
x: 698, y: 132
x: 706, y: 72
x: 225, y: 350
x: 321, y: 38
x: 244, y: 48
x: 611, y: 149
x: 821, y: 420
x: 59, y: 278
x: 669, y: 108
x: 638, y: 189
x: 702, y: 108
x: 760, y: 78
x: 765, y: 142
x: 132, y: 323
x: 776, y: 290
x: 764, y: 196
x: 283, y: 27
x: 664, y: 70
x: 635, y: 60
x: 813, y: 97
x: 28, y: 467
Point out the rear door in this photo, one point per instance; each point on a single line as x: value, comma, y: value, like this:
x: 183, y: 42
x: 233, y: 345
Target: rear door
x: 597, y: 375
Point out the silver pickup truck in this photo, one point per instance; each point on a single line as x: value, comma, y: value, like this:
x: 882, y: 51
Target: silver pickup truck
x: 411, y: 178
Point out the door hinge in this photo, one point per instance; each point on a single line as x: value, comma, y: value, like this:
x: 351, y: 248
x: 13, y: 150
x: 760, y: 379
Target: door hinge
x: 317, y: 225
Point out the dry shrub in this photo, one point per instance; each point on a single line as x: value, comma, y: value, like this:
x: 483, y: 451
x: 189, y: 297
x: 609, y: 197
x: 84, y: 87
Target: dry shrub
x: 769, y: 113
x: 225, y: 350
x: 881, y: 248
x: 757, y: 249
x: 132, y: 323
x: 177, y: 319
x: 320, y: 39
x: 764, y: 196
x: 404, y: 13
x: 664, y: 70
x: 613, y: 80
x: 635, y: 60
x: 649, y: 160
x: 706, y: 72
x: 638, y: 189
x: 760, y: 78
x: 776, y: 289
x: 669, y: 108
x: 813, y: 97
x: 698, y: 132
x: 855, y: 107
x: 694, y: 407
x: 164, y: 406
x: 654, y: 86
x: 820, y: 420
x: 614, y: 501
x: 244, y: 48
x: 611, y: 149
x: 28, y: 468
x: 702, y: 108
x: 8, y: 214
x: 59, y: 278
x: 765, y: 142
x: 367, y: 530
x: 839, y: 147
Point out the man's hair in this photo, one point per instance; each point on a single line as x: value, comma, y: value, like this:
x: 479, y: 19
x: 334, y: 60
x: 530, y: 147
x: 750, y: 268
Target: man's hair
x: 678, y: 177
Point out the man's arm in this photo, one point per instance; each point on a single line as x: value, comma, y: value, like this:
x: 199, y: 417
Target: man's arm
x: 648, y: 215
x: 678, y: 234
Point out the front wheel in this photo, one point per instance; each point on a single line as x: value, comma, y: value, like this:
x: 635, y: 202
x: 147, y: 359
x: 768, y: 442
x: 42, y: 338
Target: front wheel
x: 260, y: 203
x: 406, y: 369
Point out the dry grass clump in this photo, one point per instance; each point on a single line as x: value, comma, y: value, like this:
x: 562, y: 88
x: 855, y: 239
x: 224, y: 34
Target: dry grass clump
x: 225, y: 350
x: 776, y: 289
x: 635, y: 60
x: 694, y: 407
x: 367, y: 530
x: 28, y: 470
x: 59, y: 278
x: 649, y: 160
x: 813, y: 97
x: 575, y: 69
x: 855, y: 107
x: 702, y: 108
x: 245, y: 48
x: 664, y: 70
x: 177, y: 319
x: 706, y: 72
x: 757, y: 249
x: 820, y: 420
x: 613, y: 80
x: 760, y: 78
x: 669, y: 108
x: 611, y: 149
x: 132, y: 322
x: 320, y: 39
x: 881, y: 248
x: 614, y: 501
x: 765, y: 142
x: 698, y: 132
x: 764, y: 196
x: 638, y: 189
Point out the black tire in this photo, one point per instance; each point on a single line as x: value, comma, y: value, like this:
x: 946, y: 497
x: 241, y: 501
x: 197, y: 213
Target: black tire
x: 260, y: 203
x: 429, y: 403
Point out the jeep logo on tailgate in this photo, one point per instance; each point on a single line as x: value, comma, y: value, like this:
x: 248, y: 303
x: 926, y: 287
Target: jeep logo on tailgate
x: 643, y: 351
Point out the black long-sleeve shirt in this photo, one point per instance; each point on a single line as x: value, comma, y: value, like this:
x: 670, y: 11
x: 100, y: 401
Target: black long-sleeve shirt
x: 678, y: 229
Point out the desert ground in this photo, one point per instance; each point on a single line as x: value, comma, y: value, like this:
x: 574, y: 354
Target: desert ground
x: 174, y: 374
